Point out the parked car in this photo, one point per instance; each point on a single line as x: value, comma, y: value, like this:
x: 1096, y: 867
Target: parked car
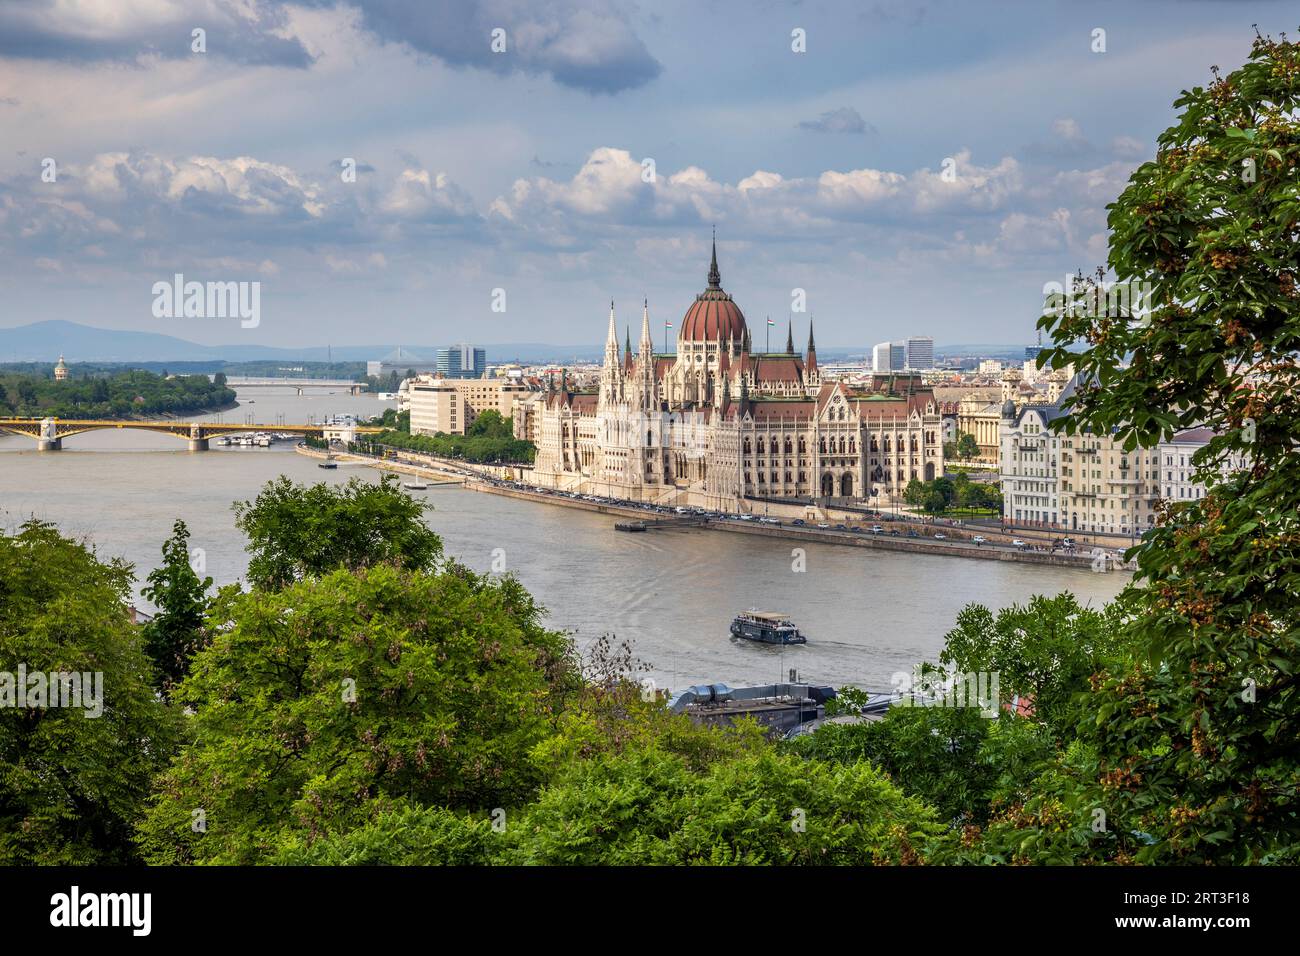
x: 876, y: 529
x: 895, y: 533
x: 1017, y: 543
x: 940, y: 536
x: 824, y: 527
x: 913, y: 533
x: 978, y: 539
x: 799, y: 522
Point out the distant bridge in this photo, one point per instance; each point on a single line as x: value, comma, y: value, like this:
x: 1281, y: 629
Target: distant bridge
x: 50, y: 432
x: 299, y: 384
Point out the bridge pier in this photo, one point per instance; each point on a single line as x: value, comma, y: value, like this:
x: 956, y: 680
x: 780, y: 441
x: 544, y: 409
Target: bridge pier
x: 198, y: 444
x: 49, y: 444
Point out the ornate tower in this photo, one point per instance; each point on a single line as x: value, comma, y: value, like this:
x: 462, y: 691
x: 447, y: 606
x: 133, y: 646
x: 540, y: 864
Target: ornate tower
x: 611, y: 372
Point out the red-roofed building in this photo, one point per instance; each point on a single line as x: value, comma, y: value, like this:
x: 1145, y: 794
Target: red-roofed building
x: 723, y: 422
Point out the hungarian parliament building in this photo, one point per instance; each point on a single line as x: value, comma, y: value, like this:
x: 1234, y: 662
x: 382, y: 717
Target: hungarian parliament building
x: 716, y: 422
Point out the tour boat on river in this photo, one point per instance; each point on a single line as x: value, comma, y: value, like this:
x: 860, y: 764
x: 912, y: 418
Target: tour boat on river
x: 768, y: 627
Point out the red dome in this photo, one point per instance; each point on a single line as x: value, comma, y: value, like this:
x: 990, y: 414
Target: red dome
x: 713, y: 315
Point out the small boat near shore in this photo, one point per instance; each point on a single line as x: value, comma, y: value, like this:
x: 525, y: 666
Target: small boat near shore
x: 766, y: 627
x: 415, y: 486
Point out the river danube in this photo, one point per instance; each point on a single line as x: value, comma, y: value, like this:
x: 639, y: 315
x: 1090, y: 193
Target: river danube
x: 867, y: 613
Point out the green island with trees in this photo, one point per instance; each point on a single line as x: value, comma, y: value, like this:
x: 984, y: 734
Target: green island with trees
x: 366, y: 699
x: 129, y: 393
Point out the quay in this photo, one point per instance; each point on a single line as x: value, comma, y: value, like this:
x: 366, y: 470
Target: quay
x: 482, y: 478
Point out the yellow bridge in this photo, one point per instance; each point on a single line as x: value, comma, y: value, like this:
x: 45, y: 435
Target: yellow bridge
x: 50, y: 432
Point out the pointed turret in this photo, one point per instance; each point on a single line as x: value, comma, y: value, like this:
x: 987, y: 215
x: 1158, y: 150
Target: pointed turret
x: 789, y: 338
x: 611, y: 340
x: 647, y: 343
x: 811, y: 364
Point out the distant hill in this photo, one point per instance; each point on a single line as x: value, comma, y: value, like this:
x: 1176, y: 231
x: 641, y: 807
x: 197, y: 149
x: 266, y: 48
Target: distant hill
x: 46, y: 341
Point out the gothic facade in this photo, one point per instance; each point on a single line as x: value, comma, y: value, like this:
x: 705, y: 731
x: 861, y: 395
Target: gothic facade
x: 725, y: 423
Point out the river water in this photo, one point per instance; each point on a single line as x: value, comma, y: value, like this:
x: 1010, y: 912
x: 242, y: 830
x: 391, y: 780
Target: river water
x: 867, y: 613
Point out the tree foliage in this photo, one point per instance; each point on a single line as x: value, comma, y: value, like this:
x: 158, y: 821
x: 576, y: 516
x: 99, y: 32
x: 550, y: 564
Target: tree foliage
x: 72, y: 785
x: 295, y: 531
x: 114, y: 394
x: 322, y: 705
x: 1192, y: 748
x: 174, y: 635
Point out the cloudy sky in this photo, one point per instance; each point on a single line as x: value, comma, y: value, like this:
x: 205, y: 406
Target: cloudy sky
x: 588, y: 161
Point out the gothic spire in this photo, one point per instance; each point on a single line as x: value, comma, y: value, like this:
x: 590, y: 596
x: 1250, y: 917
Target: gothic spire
x: 647, y: 343
x: 812, y: 346
x: 789, y: 338
x: 715, y: 278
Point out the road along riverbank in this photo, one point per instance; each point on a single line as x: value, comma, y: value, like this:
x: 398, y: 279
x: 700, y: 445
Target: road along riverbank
x: 957, y: 544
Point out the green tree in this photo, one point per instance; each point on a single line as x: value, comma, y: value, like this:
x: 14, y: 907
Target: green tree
x: 72, y: 784
x: 647, y: 806
x: 955, y: 759
x: 1192, y: 747
x: 296, y: 531
x: 967, y: 447
x: 915, y: 492
x: 174, y: 635
x: 219, y: 379
x: 320, y: 706
x: 1044, y: 651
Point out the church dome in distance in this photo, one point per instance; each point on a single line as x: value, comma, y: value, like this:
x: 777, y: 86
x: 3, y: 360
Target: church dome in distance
x: 713, y: 316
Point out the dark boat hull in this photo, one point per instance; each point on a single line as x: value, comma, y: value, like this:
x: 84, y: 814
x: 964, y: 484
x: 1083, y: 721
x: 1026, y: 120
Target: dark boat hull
x: 764, y: 635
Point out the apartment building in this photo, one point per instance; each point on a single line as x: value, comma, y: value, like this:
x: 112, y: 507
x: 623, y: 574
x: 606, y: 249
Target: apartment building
x: 450, y: 406
x: 1084, y: 482
x: 1028, y: 463
x: 1177, y: 481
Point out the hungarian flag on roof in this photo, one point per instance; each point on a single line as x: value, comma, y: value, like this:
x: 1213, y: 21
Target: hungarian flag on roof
x: 770, y: 322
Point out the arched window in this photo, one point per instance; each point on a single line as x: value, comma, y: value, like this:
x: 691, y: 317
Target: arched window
x: 828, y: 485
x: 760, y: 445
x: 846, y: 485
x: 821, y: 444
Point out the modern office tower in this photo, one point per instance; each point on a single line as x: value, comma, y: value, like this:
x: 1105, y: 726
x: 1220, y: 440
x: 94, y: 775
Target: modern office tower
x: 461, y: 361
x: 920, y: 353
x: 897, y: 356
x: 880, y: 357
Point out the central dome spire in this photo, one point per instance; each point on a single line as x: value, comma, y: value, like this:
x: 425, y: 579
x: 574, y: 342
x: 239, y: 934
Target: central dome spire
x: 713, y: 317
x: 715, y: 278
